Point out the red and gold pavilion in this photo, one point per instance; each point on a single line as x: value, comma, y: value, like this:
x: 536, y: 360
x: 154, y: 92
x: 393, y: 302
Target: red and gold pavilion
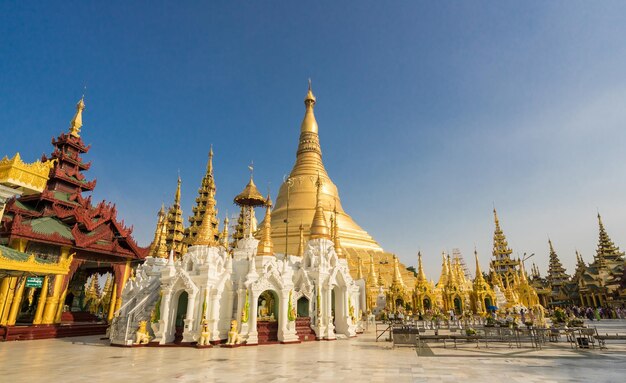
x: 61, y: 225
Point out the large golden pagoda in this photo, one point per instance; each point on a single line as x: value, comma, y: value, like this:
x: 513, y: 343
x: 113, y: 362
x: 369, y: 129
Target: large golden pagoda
x: 296, y: 203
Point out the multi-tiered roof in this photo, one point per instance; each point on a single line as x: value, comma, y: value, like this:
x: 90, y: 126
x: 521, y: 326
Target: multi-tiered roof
x: 61, y: 215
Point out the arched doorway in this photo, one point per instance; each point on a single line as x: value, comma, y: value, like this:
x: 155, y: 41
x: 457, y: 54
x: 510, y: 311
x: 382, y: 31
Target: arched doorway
x: 180, y: 315
x: 458, y: 306
x: 488, y: 303
x: 399, y: 305
x: 267, y: 317
x: 303, y: 320
x: 427, y: 304
x: 303, y: 307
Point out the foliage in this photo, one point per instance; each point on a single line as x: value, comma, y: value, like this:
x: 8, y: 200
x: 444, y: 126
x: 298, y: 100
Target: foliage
x: 470, y: 331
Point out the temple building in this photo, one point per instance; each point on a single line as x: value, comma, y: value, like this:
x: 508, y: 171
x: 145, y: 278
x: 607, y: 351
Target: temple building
x: 295, y: 207
x: 456, y: 292
x: 60, y: 225
x: 250, y: 294
x: 600, y: 283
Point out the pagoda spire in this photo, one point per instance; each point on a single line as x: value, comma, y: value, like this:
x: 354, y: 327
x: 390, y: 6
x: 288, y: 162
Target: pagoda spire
x: 606, y: 250
x: 158, y: 249
x: 302, y: 244
x: 205, y: 203
x: 299, y: 192
x: 206, y: 233
x: 359, y: 273
x: 224, y: 236
x: 443, y: 278
x: 175, y: 228
x: 421, y: 275
x: 556, y: 272
x: 452, y: 281
x: 372, y: 278
x: 266, y: 246
x: 319, y: 228
x: 77, y: 121
x: 479, y: 273
x: 502, y: 262
x: 335, y: 239
x: 522, y: 272
x: 397, y: 277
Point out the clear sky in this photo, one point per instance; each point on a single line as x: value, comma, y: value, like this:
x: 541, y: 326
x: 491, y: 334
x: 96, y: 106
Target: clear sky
x: 429, y: 112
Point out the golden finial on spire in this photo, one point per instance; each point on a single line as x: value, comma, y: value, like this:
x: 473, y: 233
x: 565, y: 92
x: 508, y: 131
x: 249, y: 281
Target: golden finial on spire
x: 335, y: 234
x: 309, y: 124
x: 224, y: 235
x: 421, y: 275
x: 319, y: 228
x: 479, y: 273
x: 77, y: 121
x: 266, y: 246
x: 359, y: 274
x: 177, y: 196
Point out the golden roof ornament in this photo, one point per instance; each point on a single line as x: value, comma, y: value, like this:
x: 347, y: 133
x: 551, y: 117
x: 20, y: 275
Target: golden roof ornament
x: 266, y: 246
x: 319, y: 228
x: 250, y: 196
x: 77, y: 121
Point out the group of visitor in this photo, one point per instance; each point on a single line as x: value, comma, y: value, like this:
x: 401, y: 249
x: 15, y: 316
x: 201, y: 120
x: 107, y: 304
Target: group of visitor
x: 595, y: 313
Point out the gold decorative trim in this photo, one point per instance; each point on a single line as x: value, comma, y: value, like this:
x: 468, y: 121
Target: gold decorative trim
x: 31, y: 265
x: 31, y: 177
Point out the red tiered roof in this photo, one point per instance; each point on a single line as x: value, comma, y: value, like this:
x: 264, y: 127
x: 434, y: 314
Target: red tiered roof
x: 60, y: 215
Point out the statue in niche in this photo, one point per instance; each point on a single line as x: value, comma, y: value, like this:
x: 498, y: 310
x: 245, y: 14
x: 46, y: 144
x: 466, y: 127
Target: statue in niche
x: 265, y: 311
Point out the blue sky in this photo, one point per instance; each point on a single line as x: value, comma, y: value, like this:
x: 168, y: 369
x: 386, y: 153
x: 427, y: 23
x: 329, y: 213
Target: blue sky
x: 429, y: 112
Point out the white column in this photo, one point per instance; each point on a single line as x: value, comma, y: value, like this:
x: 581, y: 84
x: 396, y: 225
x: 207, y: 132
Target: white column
x: 189, y: 334
x: 214, y: 315
x: 165, y: 327
x: 252, y: 332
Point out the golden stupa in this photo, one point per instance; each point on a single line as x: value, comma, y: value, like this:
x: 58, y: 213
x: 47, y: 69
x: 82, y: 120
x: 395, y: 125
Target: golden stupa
x: 296, y: 202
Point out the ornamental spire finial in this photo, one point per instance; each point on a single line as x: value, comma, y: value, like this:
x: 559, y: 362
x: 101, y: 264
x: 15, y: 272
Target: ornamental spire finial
x: 77, y: 121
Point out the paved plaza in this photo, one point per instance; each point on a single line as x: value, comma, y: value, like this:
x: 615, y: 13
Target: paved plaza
x: 362, y: 359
